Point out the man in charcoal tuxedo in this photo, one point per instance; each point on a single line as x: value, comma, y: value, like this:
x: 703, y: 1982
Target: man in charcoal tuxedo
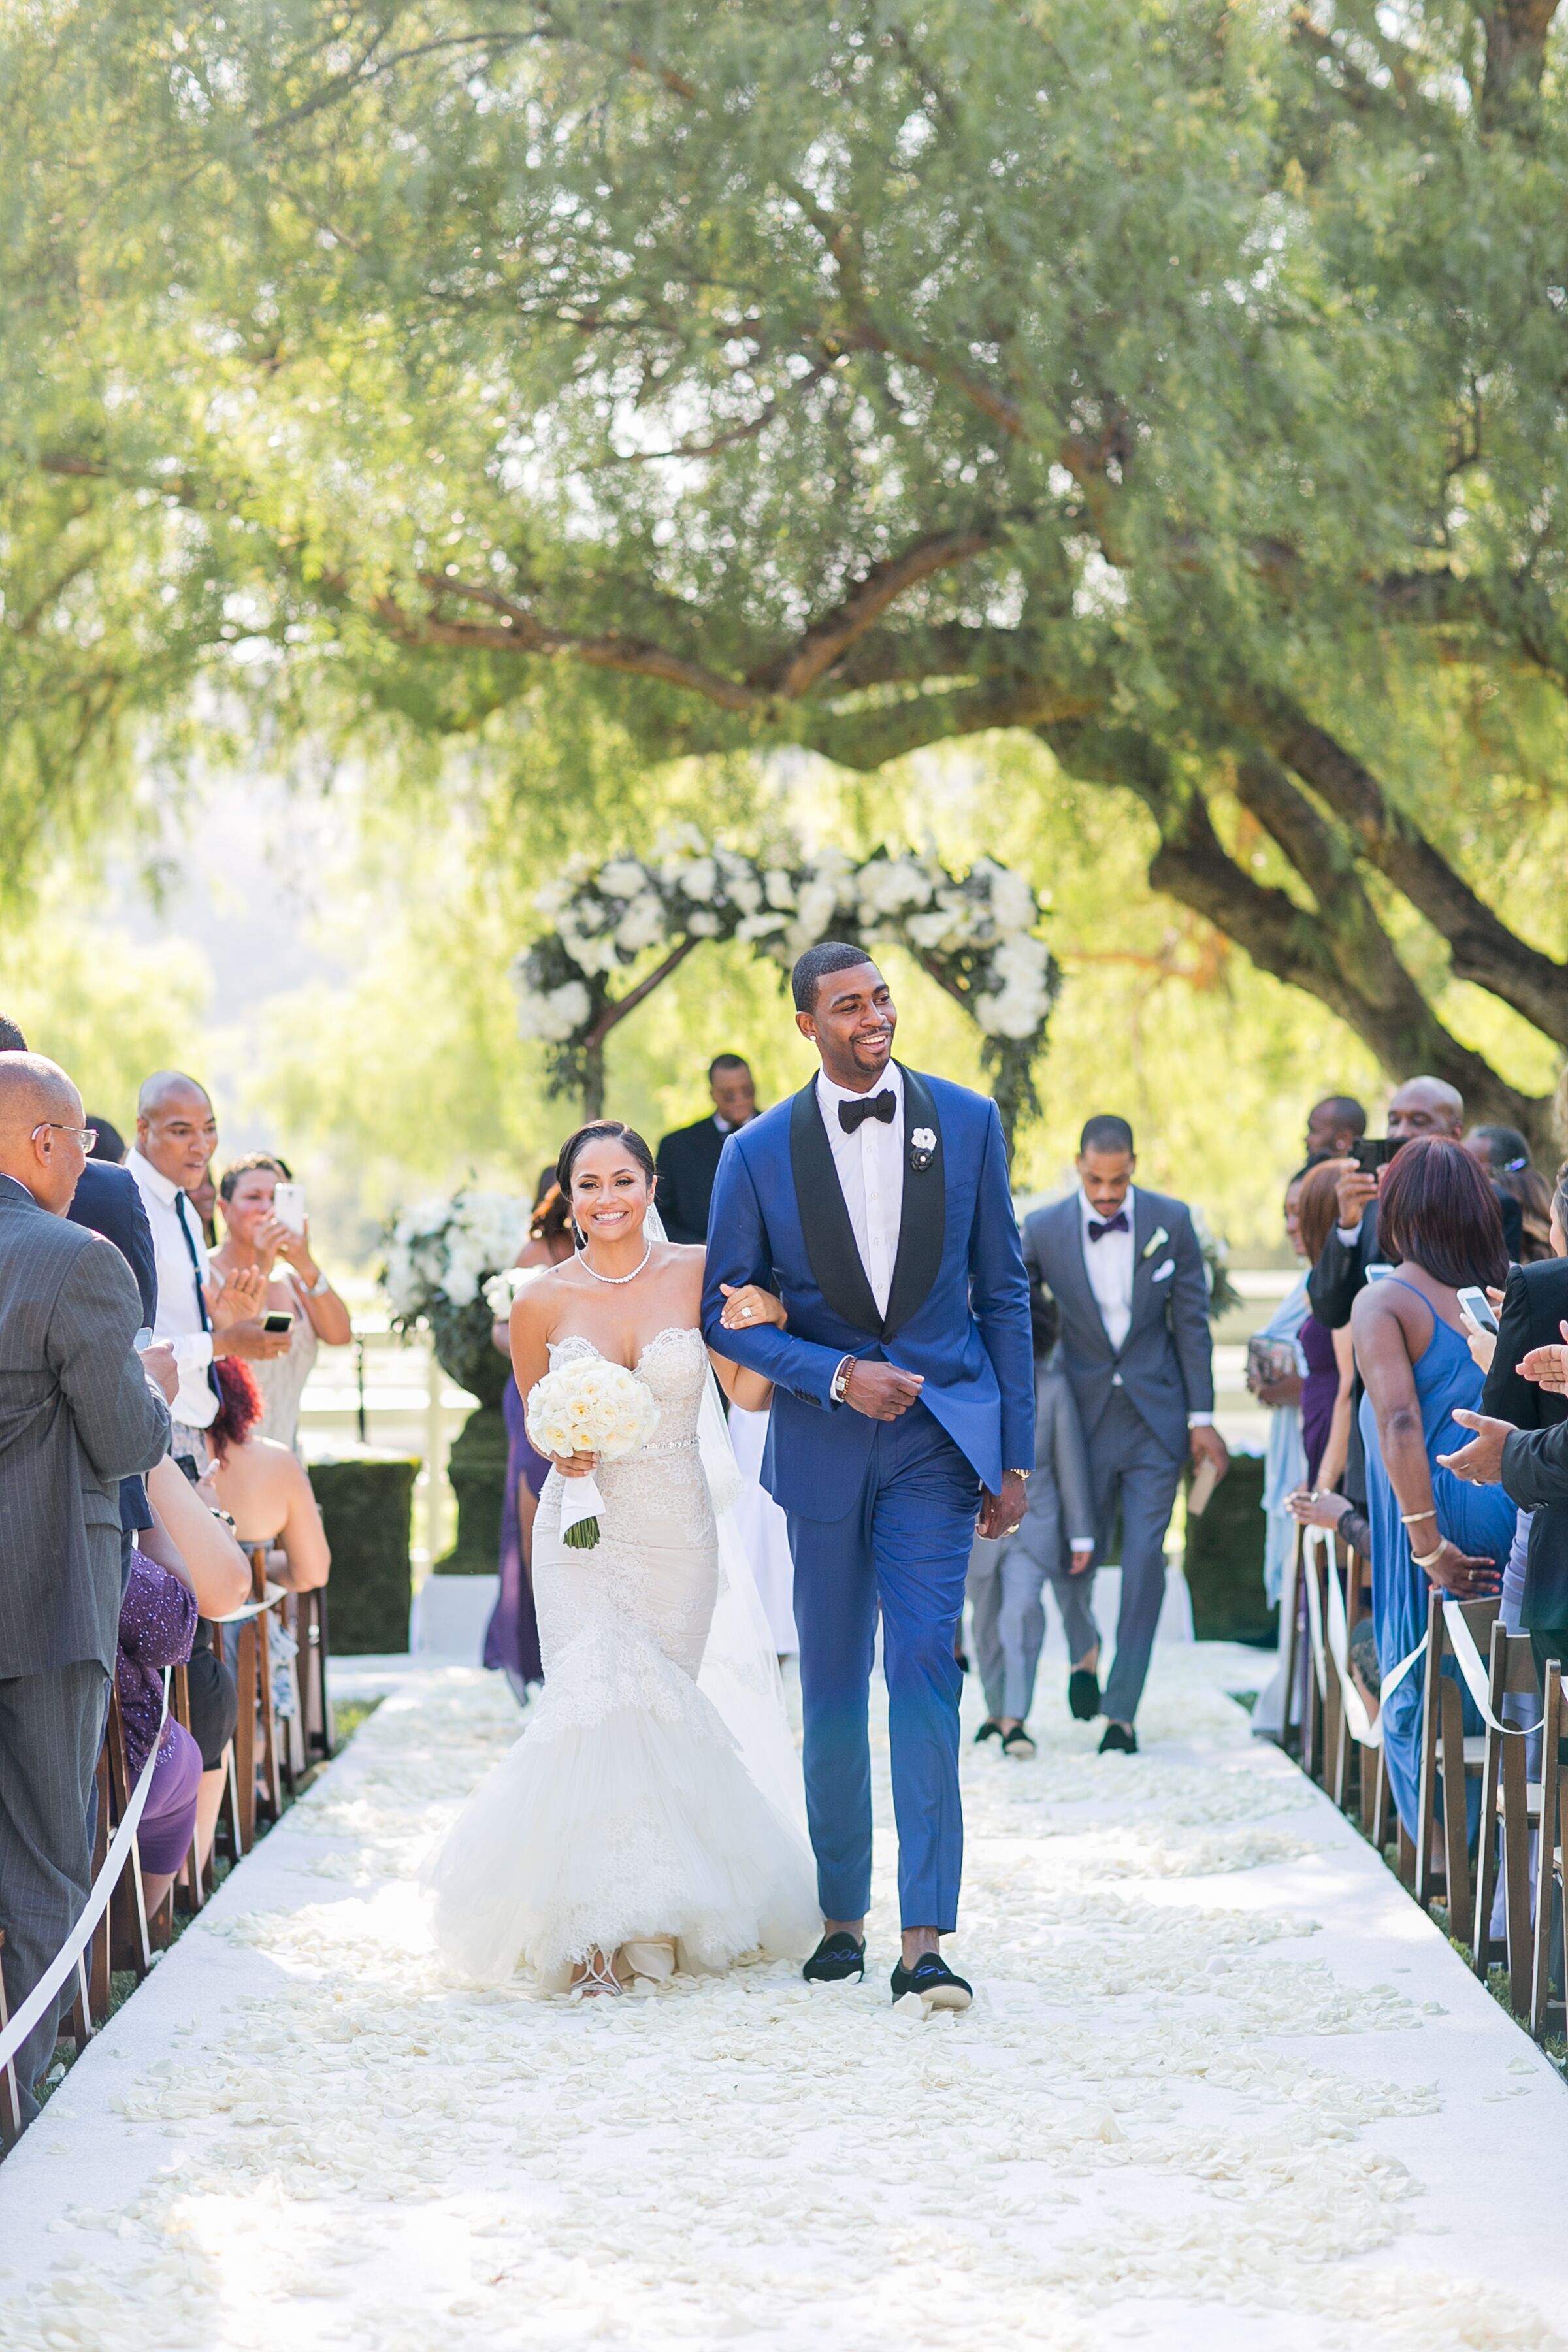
x: 688, y: 1161
x: 77, y: 1415
x: 876, y: 1204
x: 1126, y: 1272
x: 1534, y: 1312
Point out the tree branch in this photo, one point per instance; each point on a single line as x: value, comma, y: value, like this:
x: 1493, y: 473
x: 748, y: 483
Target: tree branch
x: 798, y: 671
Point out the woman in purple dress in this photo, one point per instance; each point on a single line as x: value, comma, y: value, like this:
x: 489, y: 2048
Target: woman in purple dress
x: 512, y: 1637
x: 157, y: 1626
x: 1326, y: 1389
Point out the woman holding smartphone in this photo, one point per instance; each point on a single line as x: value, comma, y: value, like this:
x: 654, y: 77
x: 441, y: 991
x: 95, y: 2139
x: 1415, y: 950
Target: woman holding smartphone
x: 267, y: 1229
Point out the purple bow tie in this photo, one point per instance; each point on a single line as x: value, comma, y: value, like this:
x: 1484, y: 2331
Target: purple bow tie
x: 1116, y: 1224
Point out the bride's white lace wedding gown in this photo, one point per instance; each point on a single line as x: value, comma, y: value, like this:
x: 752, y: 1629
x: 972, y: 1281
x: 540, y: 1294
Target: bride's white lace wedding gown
x: 625, y: 1811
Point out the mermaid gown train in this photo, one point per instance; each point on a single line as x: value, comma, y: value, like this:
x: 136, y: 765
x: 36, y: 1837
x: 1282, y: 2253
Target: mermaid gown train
x: 624, y: 1811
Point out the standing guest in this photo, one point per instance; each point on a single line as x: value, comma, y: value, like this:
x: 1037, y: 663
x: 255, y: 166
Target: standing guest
x: 77, y: 1415
x: 1442, y: 1227
x: 109, y: 1144
x: 1126, y: 1272
x: 512, y: 1637
x: 175, y: 1136
x: 1504, y: 1156
x: 1329, y: 1356
x: 157, y: 1627
x: 204, y: 1200
x: 1532, y: 1310
x: 1276, y: 1374
x: 257, y: 1240
x: 1332, y: 1126
x: 688, y: 1161
x: 1053, y: 1543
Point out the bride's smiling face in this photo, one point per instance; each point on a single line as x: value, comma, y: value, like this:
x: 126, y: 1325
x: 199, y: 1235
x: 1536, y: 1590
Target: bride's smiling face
x: 610, y: 1193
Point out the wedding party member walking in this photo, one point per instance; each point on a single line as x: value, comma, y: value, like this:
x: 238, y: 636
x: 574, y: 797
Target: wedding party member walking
x: 1055, y: 1544
x: 877, y: 1201
x: 77, y: 1415
x: 688, y: 1161
x: 1126, y: 1272
x: 512, y: 1637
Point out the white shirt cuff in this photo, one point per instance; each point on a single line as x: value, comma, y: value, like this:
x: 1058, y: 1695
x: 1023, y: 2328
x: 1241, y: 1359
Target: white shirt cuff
x: 1200, y: 1421
x: 1081, y: 1543
x: 1349, y: 1234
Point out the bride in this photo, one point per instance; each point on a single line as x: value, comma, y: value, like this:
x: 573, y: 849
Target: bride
x: 649, y: 1817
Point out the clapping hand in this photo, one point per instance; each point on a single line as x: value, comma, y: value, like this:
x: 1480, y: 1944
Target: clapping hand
x: 239, y: 1299
x: 1548, y: 1366
x: 1479, y: 1464
x: 274, y: 1239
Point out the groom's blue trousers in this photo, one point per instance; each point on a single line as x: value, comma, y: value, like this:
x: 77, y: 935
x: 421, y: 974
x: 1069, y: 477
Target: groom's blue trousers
x: 904, y: 1543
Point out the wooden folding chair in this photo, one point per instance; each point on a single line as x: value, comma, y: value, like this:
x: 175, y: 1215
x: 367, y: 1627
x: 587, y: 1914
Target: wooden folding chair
x: 1372, y: 1769
x: 10, y: 2090
x: 1549, y: 1877
x: 130, y: 1940
x: 269, y: 1788
x: 188, y: 1890
x: 315, y: 1696
x: 1448, y: 1757
x: 1317, y: 1694
x: 1510, y: 1806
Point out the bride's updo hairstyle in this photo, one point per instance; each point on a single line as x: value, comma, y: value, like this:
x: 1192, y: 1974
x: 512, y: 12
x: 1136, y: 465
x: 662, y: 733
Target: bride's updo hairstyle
x: 575, y: 1144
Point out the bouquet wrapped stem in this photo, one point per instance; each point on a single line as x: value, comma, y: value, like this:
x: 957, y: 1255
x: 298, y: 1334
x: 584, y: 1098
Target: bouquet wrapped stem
x: 582, y: 1506
x: 589, y: 1406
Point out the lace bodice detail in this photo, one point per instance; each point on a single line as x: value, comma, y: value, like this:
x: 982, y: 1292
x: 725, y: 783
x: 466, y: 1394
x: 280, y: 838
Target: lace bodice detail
x: 673, y: 1365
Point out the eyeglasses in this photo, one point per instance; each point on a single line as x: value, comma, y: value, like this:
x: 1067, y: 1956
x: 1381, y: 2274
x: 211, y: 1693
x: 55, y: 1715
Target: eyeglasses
x: 86, y: 1136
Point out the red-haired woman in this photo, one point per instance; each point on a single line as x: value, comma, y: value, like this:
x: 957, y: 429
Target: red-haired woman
x: 263, y: 1486
x: 1438, y: 1217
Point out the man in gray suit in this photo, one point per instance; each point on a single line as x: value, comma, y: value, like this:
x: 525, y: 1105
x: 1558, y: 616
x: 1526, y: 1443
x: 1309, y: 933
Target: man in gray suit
x: 77, y: 1415
x: 1126, y: 1272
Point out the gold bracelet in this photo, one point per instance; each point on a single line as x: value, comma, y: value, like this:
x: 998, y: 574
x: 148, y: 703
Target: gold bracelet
x: 1427, y: 1562
x: 1414, y: 1519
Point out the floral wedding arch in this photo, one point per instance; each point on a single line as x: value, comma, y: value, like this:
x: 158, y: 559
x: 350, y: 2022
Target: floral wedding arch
x: 975, y: 933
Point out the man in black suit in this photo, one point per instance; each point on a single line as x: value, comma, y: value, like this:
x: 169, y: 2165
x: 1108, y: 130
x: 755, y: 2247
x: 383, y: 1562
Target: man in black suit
x: 1534, y: 1310
x: 689, y: 1159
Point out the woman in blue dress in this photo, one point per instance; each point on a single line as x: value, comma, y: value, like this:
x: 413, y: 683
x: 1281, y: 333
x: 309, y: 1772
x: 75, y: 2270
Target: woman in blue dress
x: 1438, y: 1222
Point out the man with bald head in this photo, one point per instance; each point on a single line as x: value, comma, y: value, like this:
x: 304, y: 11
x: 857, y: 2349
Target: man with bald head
x: 77, y: 1415
x: 1420, y: 1106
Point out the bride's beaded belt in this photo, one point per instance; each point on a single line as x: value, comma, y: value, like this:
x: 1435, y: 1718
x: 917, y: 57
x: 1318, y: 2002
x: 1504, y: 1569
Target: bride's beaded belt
x: 672, y: 1446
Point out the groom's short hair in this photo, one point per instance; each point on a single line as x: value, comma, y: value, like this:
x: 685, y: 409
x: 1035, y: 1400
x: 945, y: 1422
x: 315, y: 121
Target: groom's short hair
x: 1105, y: 1133
x: 814, y: 966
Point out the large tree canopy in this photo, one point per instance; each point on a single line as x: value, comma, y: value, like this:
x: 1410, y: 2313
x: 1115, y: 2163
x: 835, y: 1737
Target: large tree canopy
x: 1179, y: 380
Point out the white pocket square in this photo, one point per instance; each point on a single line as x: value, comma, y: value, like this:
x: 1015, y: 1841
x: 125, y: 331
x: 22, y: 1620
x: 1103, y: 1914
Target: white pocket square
x: 1161, y: 1272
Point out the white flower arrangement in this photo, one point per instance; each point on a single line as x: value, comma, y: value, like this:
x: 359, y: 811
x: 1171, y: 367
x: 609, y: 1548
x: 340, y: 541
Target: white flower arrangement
x: 589, y: 1406
x: 440, y: 1251
x: 977, y: 933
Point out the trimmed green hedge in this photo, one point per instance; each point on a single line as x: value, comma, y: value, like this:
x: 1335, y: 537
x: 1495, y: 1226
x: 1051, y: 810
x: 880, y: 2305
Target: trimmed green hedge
x: 366, y: 1501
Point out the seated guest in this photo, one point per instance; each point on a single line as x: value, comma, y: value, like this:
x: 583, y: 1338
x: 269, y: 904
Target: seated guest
x: 1054, y: 1543
x: 512, y: 1637
x: 1439, y: 1220
x: 79, y: 1417
x: 264, y: 1486
x: 1504, y: 1156
x: 186, y: 1536
x: 157, y: 1621
x: 688, y: 1161
x: 256, y: 1239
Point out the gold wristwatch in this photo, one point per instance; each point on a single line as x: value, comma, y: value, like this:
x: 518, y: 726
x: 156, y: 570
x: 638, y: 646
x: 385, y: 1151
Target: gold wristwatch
x: 1017, y: 1473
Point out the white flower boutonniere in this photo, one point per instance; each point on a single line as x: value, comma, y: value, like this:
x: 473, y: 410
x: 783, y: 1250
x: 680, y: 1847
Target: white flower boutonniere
x: 1154, y: 1242
x: 922, y: 1147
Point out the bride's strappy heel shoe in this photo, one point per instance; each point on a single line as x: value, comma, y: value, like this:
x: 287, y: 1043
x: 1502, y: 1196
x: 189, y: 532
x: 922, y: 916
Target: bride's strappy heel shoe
x: 598, y: 1979
x: 648, y: 1961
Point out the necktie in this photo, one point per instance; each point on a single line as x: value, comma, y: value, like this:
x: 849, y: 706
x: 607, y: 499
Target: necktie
x: 1116, y: 1224
x: 183, y: 1211
x: 852, y: 1116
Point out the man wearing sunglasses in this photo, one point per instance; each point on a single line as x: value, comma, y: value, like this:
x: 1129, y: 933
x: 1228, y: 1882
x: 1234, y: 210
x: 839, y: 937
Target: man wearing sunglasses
x: 77, y: 1415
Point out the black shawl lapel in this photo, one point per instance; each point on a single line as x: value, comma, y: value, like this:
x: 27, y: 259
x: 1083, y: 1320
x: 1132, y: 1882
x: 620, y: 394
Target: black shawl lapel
x: 922, y: 1225
x: 823, y: 1219
x: 1145, y: 1225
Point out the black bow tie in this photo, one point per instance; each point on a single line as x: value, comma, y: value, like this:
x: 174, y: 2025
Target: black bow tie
x: 853, y: 1115
x: 1116, y: 1224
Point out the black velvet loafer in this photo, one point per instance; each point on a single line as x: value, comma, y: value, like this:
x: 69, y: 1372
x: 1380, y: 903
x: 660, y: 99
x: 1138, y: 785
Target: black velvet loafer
x: 934, y: 1982
x: 989, y: 1729
x: 835, y: 1959
x: 1017, y: 1743
x: 1120, y: 1739
x: 1083, y: 1694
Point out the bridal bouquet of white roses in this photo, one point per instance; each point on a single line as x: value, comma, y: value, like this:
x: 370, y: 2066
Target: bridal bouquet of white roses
x: 589, y: 1406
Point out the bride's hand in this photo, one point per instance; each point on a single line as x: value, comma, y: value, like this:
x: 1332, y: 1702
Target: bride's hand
x: 574, y: 1465
x: 750, y: 1304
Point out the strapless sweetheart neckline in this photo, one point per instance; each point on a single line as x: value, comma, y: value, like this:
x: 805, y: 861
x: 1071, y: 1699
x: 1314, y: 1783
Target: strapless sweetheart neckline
x: 670, y: 1331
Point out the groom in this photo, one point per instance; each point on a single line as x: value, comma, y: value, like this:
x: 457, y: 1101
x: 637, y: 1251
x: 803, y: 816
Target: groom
x: 876, y: 1204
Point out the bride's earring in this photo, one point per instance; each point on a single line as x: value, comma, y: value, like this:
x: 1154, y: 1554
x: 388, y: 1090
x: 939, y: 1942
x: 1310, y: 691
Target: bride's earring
x: 579, y: 1239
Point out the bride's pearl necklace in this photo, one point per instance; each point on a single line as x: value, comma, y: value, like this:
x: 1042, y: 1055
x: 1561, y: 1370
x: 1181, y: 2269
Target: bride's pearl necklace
x: 615, y: 1278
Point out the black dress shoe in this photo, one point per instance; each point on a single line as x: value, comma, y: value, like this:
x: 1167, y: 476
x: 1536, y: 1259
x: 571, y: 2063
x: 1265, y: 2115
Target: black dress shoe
x: 1083, y: 1694
x: 989, y: 1729
x: 836, y: 1959
x: 1120, y: 1739
x: 934, y: 1982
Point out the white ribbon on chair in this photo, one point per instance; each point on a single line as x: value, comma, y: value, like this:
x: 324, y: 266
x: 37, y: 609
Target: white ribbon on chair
x: 50, y: 1985
x: 1360, y: 1724
x: 1462, y: 1642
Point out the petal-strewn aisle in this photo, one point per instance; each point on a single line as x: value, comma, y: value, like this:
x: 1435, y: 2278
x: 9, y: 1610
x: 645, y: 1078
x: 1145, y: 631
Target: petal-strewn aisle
x: 1223, y: 2087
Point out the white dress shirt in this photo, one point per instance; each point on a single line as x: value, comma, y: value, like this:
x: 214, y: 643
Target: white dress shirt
x: 870, y: 1165
x: 180, y: 1316
x: 1108, y: 1264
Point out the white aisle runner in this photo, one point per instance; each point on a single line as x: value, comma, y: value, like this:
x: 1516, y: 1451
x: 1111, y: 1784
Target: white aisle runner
x: 1180, y: 2112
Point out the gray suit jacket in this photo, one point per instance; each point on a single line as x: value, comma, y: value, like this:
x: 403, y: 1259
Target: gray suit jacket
x: 75, y: 1416
x: 1165, y: 1363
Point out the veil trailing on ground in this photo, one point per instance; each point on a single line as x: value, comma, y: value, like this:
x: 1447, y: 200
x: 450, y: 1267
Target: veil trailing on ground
x: 740, y: 1672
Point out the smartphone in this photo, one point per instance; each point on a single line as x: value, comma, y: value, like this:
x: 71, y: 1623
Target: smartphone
x: 1479, y: 1307
x: 276, y: 1318
x: 1370, y: 1154
x: 289, y: 1206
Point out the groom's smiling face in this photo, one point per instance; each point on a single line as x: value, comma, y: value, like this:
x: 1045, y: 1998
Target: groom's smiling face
x: 852, y: 1025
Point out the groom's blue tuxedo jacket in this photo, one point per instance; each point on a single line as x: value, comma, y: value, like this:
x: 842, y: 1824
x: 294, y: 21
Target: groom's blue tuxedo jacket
x: 958, y: 1310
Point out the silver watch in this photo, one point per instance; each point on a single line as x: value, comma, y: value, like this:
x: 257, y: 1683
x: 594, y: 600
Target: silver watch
x: 321, y: 1284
